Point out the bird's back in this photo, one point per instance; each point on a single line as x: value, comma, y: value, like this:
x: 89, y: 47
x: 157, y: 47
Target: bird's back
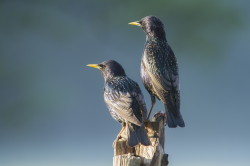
x: 159, y: 68
x: 123, y: 97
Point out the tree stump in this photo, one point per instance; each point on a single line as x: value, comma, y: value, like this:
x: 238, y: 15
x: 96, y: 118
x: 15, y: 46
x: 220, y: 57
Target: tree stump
x: 141, y: 155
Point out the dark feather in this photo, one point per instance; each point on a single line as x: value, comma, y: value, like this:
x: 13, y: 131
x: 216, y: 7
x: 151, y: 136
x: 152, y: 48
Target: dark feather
x: 159, y: 69
x: 124, y: 97
x: 124, y: 100
x: 136, y: 134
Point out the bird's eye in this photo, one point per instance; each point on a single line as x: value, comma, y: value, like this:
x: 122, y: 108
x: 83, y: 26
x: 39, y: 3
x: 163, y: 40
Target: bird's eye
x: 101, y: 65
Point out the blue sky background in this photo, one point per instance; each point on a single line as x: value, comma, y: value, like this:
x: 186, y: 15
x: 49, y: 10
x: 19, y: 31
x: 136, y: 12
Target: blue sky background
x: 52, y: 111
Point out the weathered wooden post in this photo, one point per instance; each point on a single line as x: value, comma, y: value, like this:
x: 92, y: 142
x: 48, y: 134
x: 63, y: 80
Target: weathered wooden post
x: 140, y: 155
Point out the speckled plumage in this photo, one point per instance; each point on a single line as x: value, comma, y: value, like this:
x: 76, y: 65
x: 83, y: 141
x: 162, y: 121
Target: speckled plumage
x: 159, y: 70
x: 123, y: 97
x: 125, y: 101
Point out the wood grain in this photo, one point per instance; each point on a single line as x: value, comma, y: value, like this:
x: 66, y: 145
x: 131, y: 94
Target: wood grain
x: 140, y: 155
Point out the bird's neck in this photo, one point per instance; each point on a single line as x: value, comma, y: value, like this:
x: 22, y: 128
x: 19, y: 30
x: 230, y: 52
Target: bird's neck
x: 113, y: 77
x: 156, y: 38
x: 156, y: 35
x: 156, y: 42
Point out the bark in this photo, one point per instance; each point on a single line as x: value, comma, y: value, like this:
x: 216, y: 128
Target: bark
x: 140, y: 155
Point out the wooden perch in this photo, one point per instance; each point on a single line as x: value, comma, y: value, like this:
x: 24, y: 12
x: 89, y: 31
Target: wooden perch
x: 140, y: 155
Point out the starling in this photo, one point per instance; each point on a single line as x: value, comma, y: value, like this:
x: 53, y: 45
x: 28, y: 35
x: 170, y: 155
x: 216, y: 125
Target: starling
x: 125, y: 101
x: 159, y: 70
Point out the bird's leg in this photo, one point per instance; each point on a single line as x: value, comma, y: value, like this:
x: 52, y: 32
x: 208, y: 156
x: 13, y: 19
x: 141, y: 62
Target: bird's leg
x: 152, y: 105
x: 120, y: 133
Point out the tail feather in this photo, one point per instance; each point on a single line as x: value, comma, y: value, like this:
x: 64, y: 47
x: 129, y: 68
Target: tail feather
x: 174, y: 117
x: 137, y: 134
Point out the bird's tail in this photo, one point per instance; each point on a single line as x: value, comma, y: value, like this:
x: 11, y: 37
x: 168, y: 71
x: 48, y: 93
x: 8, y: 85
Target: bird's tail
x: 174, y: 117
x: 137, y: 134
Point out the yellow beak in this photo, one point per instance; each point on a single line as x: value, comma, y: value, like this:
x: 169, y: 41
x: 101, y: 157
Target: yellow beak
x: 135, y: 23
x: 94, y: 66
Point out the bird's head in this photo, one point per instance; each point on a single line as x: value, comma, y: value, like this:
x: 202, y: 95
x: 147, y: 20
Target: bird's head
x: 109, y: 69
x: 151, y: 25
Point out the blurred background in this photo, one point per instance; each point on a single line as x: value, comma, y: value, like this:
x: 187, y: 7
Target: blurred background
x: 52, y: 111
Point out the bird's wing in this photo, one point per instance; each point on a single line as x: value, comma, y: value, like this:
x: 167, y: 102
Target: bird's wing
x: 125, y: 100
x: 164, y: 74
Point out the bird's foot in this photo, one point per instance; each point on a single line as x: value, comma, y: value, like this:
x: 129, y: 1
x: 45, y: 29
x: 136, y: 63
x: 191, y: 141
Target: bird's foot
x: 160, y: 115
x: 117, y: 139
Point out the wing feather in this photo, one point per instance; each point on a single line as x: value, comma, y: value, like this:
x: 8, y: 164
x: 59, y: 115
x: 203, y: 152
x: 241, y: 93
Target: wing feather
x: 126, y: 100
x: 163, y: 74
